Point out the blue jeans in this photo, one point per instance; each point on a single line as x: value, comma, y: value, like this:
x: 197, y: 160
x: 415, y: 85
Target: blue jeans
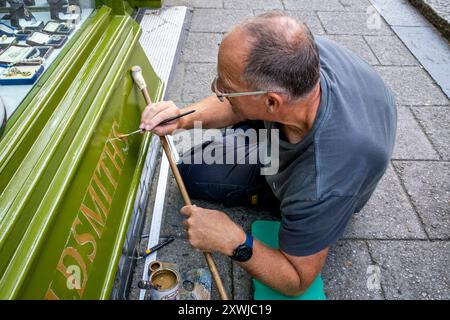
x: 229, y: 184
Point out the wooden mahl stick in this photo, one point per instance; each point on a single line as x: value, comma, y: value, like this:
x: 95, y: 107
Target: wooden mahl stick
x: 140, y: 82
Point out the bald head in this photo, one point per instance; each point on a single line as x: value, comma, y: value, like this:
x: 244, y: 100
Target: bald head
x: 287, y: 27
x: 272, y: 52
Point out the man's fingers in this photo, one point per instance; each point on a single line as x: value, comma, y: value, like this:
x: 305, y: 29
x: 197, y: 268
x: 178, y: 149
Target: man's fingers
x: 160, y: 107
x: 145, y: 117
x: 146, y: 114
x: 164, y: 129
x: 152, y: 110
x: 187, y: 210
x: 160, y: 117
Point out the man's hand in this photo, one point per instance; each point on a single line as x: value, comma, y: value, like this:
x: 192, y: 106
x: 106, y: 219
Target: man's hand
x: 212, y: 230
x: 155, y: 113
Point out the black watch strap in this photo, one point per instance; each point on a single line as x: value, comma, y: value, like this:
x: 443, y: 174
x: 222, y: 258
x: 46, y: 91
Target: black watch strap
x: 245, y: 251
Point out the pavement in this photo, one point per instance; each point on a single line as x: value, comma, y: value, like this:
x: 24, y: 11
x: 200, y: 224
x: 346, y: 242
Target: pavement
x: 398, y: 246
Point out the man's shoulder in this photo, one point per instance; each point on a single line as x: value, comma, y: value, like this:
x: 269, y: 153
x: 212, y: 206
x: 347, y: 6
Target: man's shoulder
x: 361, y: 118
x: 345, y: 68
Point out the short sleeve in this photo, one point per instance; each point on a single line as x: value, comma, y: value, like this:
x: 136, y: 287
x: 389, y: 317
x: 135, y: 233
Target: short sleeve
x: 308, y: 227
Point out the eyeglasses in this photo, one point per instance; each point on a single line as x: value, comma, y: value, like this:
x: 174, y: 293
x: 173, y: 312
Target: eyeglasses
x: 221, y: 95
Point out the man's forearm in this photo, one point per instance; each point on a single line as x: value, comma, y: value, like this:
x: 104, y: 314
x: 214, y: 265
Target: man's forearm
x: 271, y: 267
x: 213, y: 231
x: 212, y: 113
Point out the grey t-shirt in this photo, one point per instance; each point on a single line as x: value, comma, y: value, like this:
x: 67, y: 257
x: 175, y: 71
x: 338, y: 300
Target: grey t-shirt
x: 333, y: 171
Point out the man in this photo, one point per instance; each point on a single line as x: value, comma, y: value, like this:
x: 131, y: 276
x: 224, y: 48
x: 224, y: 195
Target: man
x: 336, y: 121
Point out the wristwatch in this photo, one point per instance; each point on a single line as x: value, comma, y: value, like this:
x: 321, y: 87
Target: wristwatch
x: 244, y: 252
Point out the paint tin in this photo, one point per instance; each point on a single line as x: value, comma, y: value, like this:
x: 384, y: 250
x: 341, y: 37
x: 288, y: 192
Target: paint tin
x: 165, y: 284
x: 155, y: 265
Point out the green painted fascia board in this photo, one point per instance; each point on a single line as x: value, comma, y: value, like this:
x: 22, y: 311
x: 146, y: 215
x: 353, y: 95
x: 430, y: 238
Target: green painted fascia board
x: 129, y: 9
x: 43, y: 208
x: 146, y: 3
x: 120, y: 6
x: 28, y: 248
x: 28, y: 175
x: 118, y: 244
x: 117, y: 6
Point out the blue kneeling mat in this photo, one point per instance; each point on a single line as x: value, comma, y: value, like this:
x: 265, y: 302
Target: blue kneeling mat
x: 267, y: 233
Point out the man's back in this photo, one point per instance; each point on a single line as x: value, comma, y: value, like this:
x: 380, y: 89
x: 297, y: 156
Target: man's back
x: 360, y: 132
x: 333, y: 171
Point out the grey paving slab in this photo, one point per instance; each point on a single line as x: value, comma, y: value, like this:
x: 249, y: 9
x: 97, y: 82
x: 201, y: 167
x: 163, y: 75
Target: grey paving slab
x: 242, y: 283
x: 197, y: 81
x: 387, y: 215
x: 345, y: 272
x: 436, y: 122
x: 310, y: 18
x: 356, y: 5
x: 399, y: 13
x: 358, y: 45
x: 413, y: 269
x: 411, y: 141
x: 390, y: 50
x: 431, y: 50
x: 254, y: 4
x: 202, y: 47
x: 215, y: 20
x: 175, y: 88
x: 353, y: 23
x: 428, y: 185
x: 412, y: 86
x: 195, y: 3
x: 172, y: 220
x: 188, y: 258
x: 313, y: 5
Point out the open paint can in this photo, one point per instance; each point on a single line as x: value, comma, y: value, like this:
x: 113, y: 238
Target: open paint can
x: 165, y: 284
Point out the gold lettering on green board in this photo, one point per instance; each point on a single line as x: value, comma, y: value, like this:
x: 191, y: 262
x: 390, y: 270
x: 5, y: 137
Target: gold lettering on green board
x: 89, y: 223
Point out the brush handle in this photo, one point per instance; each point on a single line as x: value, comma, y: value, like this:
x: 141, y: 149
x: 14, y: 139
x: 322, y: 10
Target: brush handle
x: 176, y: 117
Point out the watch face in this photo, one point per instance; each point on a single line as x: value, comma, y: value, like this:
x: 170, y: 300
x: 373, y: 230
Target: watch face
x: 243, y: 253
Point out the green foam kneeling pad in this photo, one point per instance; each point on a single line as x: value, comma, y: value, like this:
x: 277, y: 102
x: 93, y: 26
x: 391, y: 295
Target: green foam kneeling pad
x: 267, y: 233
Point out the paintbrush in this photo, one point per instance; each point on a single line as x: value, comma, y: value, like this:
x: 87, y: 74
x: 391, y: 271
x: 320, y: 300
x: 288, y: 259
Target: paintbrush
x: 121, y: 136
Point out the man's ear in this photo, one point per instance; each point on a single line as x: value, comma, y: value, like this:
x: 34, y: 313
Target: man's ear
x: 273, y: 102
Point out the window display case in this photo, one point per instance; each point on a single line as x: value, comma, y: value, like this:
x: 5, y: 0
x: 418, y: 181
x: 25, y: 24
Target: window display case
x: 33, y: 33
